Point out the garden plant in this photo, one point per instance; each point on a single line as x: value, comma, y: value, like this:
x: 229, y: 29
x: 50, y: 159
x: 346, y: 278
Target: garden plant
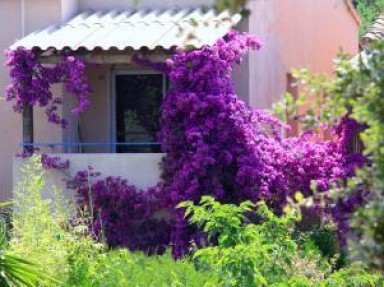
x: 238, y: 204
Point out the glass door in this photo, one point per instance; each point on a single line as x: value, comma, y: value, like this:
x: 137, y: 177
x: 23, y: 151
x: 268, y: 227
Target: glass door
x: 137, y: 111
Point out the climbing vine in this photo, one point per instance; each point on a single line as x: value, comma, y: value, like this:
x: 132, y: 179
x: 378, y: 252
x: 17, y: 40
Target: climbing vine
x: 31, y: 83
x: 216, y: 145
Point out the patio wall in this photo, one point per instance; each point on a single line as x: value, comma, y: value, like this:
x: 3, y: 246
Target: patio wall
x: 142, y: 170
x: 14, y: 24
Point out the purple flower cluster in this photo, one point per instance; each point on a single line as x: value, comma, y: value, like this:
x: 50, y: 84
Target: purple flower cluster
x: 217, y: 145
x: 53, y: 162
x: 31, y: 83
x: 344, y: 206
x: 76, y: 83
x: 127, y: 216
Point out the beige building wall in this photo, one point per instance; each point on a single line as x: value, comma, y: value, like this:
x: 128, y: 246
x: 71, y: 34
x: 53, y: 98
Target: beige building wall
x: 95, y: 124
x: 10, y: 125
x: 18, y: 18
x: 296, y: 34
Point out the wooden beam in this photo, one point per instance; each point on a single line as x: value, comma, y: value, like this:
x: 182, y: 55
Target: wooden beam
x: 110, y: 58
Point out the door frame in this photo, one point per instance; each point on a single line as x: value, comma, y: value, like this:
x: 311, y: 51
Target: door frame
x: 115, y: 73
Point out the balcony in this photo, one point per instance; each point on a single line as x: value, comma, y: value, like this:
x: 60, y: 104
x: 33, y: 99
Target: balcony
x: 141, y: 169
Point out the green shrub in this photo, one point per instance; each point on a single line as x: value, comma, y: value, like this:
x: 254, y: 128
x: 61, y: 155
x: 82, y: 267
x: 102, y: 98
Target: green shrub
x: 265, y: 254
x: 46, y: 231
x: 37, y: 233
x: 354, y: 275
x: 247, y: 255
x: 123, y: 268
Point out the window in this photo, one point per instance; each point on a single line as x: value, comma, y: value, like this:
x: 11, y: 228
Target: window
x: 137, y: 102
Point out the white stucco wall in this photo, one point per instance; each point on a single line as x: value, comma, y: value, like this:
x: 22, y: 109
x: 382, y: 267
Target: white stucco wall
x: 10, y: 124
x: 142, y: 170
x: 17, y: 18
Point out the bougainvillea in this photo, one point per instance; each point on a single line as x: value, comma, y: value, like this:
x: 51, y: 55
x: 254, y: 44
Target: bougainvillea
x: 126, y: 215
x: 214, y: 145
x: 53, y: 162
x: 31, y: 83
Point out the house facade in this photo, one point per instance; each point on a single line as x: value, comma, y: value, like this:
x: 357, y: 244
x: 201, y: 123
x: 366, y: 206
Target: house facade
x: 116, y: 135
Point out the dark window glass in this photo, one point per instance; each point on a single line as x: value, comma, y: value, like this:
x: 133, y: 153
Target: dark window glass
x: 138, y: 100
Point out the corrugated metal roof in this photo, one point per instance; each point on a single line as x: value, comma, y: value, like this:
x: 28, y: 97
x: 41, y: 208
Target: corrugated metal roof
x: 136, y: 29
x: 375, y: 32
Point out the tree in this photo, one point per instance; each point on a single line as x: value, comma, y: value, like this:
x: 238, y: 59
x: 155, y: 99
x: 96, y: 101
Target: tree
x: 368, y: 11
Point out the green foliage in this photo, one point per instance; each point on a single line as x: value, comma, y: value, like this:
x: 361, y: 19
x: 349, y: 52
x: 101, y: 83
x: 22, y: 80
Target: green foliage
x: 265, y: 254
x: 46, y: 231
x: 41, y: 230
x: 37, y: 234
x: 15, y: 271
x: 368, y: 11
x: 232, y: 5
x: 313, y: 108
x: 123, y: 268
x: 357, y: 89
x: 354, y: 275
x: 248, y: 254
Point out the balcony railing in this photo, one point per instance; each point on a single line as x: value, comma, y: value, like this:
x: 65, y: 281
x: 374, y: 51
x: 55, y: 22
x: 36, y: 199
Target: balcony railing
x: 112, y: 147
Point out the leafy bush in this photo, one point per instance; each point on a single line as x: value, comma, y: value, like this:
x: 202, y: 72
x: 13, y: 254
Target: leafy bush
x: 265, y: 254
x: 37, y: 224
x: 46, y: 231
x: 368, y: 11
x: 355, y: 93
x: 246, y: 254
x: 123, y: 268
x: 354, y: 275
x: 358, y: 87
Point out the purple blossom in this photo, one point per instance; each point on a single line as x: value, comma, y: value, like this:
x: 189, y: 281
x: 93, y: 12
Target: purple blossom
x: 126, y: 215
x: 54, y: 162
x: 217, y: 145
x: 31, y: 83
